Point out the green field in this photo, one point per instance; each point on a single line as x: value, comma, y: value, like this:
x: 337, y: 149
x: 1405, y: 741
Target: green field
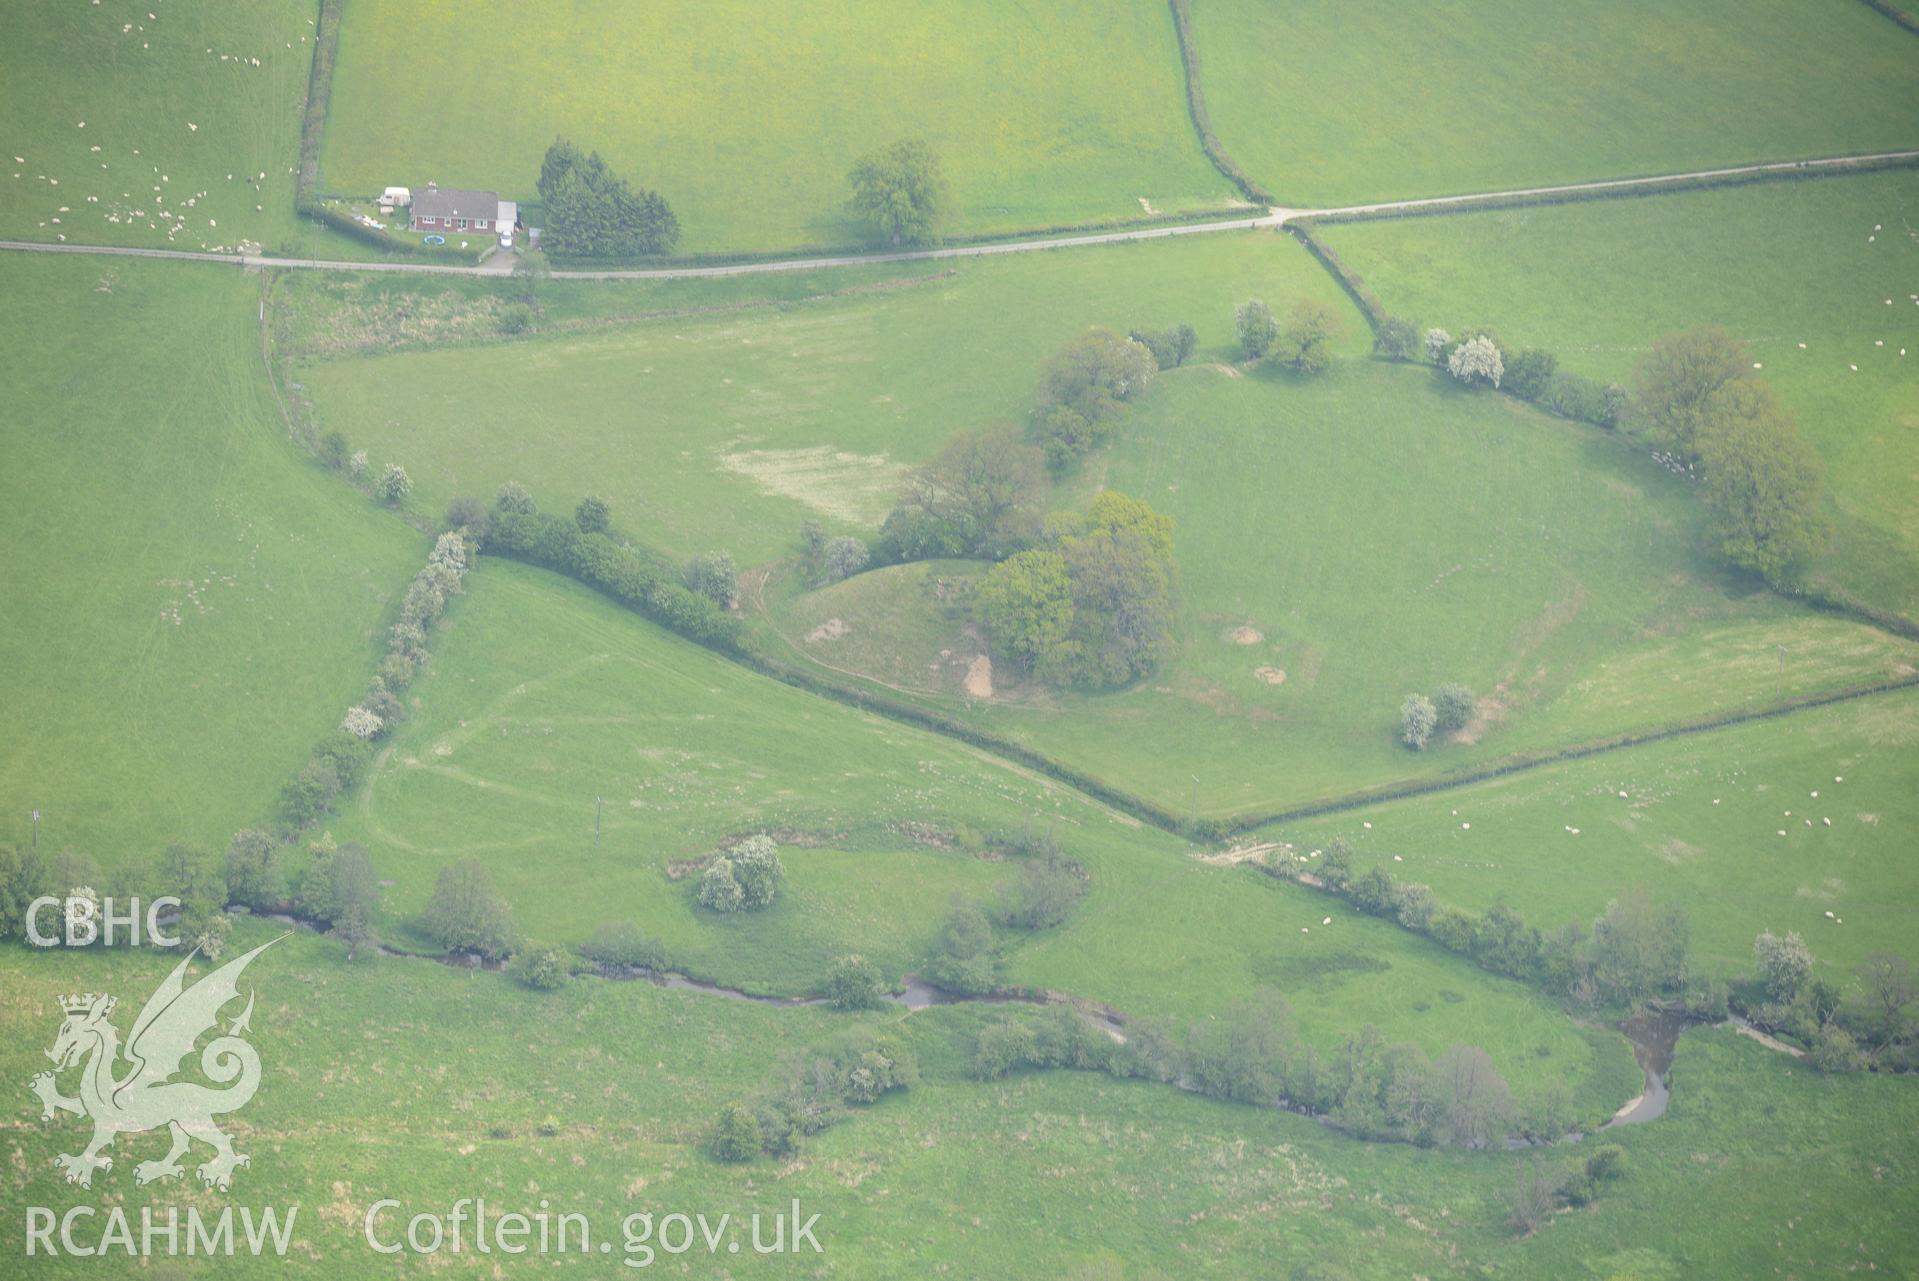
x: 123, y: 128
x: 731, y: 428
x: 1381, y: 532
x: 1829, y: 264
x: 190, y: 602
x: 1541, y: 562
x: 442, y: 1086
x: 544, y: 698
x: 1336, y: 103
x: 1699, y: 823
x: 726, y: 109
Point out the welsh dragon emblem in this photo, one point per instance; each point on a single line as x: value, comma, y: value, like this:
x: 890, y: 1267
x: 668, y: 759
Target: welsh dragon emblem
x: 142, y: 1096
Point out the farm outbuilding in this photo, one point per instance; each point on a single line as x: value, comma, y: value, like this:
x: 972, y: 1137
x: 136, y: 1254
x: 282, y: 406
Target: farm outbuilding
x: 397, y: 196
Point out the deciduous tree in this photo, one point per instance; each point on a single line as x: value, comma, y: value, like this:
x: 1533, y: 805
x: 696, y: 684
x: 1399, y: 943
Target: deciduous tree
x: 1304, y: 343
x: 1761, y: 483
x: 1673, y: 381
x: 1255, y: 327
x: 900, y: 194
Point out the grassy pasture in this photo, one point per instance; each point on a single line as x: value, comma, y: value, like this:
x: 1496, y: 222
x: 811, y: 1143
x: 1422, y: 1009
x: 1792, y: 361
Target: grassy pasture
x: 191, y: 603
x: 543, y: 698
x: 393, y: 1078
x: 1543, y: 564
x: 1699, y: 825
x: 1518, y: 550
x: 1158, y: 937
x: 1329, y: 103
x: 109, y: 111
x: 731, y: 428
x: 1779, y: 265
x: 729, y: 112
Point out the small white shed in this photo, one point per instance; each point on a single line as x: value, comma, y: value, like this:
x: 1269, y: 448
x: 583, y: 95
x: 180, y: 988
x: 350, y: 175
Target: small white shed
x: 397, y: 196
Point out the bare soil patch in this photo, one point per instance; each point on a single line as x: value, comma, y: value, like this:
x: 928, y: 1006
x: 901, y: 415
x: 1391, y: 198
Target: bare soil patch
x: 979, y: 677
x: 1245, y: 635
x: 831, y: 629
x: 1271, y: 675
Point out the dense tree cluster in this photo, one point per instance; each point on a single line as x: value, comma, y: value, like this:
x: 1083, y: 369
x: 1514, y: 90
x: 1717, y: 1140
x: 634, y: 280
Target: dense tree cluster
x: 466, y: 914
x: 745, y: 878
x: 1477, y: 359
x: 1395, y: 338
x: 963, y: 959
x: 983, y: 495
x: 1870, y: 1025
x: 1254, y: 326
x: 1043, y: 895
x: 855, y: 983
x: 714, y: 576
x: 812, y: 1089
x: 1083, y: 389
x: 1170, y: 347
x: 1251, y: 1053
x: 1478, y: 356
x: 1675, y: 380
x: 1449, y: 709
x: 591, y: 212
x: 541, y: 966
x: 826, y: 560
x: 1539, y: 1190
x: 634, y: 576
x: 1092, y: 605
x: 339, y: 887
x: 1304, y: 343
x: 1697, y: 398
x: 1637, y: 950
x: 1761, y: 484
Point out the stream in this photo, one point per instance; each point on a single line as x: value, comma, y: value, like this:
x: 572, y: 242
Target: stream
x: 1654, y: 1035
x: 916, y: 995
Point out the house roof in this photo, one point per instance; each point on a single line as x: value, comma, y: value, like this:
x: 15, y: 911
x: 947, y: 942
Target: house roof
x: 444, y: 202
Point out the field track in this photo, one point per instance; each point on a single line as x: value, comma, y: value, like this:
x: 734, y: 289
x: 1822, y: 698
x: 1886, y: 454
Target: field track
x: 1274, y: 218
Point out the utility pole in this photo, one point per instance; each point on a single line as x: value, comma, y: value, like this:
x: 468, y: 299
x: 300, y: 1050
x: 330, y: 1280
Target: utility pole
x: 1192, y: 814
x: 36, y: 831
x: 599, y: 811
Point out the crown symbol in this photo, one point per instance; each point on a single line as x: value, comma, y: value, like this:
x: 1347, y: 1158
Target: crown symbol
x: 82, y: 1004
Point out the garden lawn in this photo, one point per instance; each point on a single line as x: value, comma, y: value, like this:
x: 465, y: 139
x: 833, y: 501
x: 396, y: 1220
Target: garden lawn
x: 1341, y: 102
x: 1724, y: 824
x: 191, y: 602
x: 1830, y: 264
x: 122, y: 127
x: 746, y: 116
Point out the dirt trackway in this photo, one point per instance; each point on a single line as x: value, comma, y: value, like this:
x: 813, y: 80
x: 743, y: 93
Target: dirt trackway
x: 1273, y: 218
